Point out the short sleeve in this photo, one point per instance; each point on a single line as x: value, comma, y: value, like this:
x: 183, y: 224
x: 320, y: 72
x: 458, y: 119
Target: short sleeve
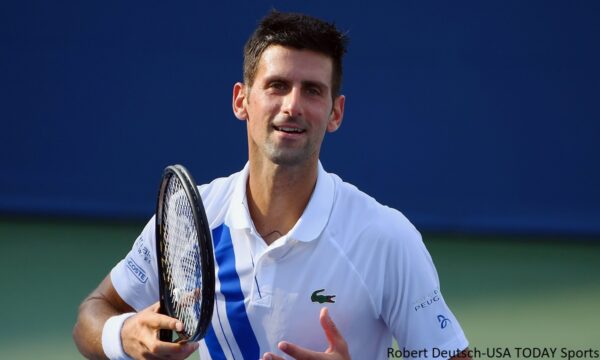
x: 135, y: 277
x: 413, y: 305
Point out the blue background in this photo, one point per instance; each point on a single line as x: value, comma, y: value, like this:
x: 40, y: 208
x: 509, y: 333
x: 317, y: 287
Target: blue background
x: 466, y: 116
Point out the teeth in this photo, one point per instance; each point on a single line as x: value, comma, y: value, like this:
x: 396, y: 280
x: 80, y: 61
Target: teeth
x: 287, y: 129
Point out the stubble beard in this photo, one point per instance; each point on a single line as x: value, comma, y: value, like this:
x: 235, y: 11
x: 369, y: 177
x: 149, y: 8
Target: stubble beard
x: 281, y: 154
x: 287, y: 156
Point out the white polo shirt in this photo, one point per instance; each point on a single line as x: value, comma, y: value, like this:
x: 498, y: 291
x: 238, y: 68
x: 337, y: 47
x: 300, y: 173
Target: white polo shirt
x: 364, y: 261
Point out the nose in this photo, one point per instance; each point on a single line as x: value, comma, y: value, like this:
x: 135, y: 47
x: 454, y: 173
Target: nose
x: 292, y: 103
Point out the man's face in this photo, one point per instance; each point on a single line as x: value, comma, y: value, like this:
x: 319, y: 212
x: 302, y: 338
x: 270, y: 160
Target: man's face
x: 289, y: 107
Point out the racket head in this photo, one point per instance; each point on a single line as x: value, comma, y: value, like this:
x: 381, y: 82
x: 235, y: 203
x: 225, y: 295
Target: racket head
x: 185, y: 259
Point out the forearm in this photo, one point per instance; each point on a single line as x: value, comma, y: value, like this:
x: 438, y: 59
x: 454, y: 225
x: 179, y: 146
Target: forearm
x: 93, y: 313
x: 87, y: 332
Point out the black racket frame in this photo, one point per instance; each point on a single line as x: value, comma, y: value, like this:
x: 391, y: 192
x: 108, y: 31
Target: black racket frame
x: 205, y: 246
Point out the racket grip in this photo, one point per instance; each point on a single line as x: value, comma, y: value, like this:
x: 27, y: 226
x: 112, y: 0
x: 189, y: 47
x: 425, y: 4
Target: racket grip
x: 165, y: 335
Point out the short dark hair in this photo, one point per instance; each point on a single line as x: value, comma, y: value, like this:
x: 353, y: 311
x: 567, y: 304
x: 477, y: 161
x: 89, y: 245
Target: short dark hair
x: 298, y: 31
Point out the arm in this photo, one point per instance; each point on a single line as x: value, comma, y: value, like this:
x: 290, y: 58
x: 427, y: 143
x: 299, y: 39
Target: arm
x: 413, y: 305
x: 100, y: 305
x: 138, y: 334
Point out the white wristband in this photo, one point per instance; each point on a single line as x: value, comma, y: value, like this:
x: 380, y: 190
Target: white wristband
x: 111, y: 337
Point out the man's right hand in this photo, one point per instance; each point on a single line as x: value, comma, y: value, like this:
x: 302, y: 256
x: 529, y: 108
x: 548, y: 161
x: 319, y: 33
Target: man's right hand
x: 139, y: 333
x: 139, y: 336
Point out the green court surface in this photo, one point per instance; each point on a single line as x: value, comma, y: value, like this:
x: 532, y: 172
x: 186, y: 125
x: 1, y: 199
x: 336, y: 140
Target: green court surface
x: 506, y: 291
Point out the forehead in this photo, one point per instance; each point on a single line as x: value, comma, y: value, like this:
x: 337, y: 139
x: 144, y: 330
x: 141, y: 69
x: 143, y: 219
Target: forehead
x: 294, y: 64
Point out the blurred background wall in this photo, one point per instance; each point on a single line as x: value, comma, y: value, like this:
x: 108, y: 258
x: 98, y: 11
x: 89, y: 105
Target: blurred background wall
x: 466, y: 116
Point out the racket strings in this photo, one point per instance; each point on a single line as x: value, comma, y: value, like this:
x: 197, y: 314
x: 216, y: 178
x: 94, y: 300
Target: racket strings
x: 181, y: 256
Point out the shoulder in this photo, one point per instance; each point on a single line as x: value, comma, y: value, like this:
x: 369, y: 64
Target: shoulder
x: 218, y: 188
x: 382, y: 245
x: 356, y: 212
x: 352, y: 203
x: 216, y: 196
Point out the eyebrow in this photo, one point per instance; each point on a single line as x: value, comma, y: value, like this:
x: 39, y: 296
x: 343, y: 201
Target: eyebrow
x: 309, y: 83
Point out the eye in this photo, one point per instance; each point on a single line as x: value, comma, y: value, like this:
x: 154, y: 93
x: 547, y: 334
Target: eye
x: 277, y: 85
x: 313, y: 90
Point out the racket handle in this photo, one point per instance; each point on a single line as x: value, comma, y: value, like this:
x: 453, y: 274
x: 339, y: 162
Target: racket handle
x: 165, y: 335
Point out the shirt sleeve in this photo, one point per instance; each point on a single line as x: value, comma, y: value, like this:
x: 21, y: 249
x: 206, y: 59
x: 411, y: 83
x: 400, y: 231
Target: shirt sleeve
x: 135, y: 278
x: 413, y: 305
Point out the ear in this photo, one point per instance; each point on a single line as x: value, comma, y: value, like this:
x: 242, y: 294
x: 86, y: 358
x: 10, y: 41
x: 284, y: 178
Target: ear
x: 239, y: 101
x: 337, y: 114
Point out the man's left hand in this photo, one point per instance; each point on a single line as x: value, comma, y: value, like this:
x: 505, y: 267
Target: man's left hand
x: 337, y: 350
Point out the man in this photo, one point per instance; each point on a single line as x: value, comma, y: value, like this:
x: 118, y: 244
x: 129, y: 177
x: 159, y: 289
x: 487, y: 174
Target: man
x: 296, y: 246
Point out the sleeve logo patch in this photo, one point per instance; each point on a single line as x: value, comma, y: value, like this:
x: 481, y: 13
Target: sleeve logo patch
x: 142, y: 250
x: 139, y: 273
x: 444, y: 321
x: 428, y: 300
x: 144, y: 253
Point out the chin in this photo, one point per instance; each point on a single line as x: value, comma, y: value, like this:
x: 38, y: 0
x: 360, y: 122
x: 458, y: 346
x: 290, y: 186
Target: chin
x: 286, y: 158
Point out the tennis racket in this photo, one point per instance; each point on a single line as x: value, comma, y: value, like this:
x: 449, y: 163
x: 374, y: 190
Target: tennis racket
x: 186, y: 271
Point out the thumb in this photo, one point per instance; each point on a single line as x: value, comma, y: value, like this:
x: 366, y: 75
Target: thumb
x: 335, y: 339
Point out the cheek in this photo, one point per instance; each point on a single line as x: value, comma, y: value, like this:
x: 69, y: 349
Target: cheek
x: 261, y: 109
x: 325, y: 117
x: 258, y: 120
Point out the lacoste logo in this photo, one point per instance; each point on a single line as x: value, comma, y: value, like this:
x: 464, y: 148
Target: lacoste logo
x: 444, y: 321
x: 315, y: 297
x: 139, y: 273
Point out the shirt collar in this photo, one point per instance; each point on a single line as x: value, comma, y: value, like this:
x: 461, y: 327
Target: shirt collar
x: 313, y: 220
x: 239, y: 215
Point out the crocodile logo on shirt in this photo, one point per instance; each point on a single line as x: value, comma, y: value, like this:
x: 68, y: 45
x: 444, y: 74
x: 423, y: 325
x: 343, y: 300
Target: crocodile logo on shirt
x: 316, y: 298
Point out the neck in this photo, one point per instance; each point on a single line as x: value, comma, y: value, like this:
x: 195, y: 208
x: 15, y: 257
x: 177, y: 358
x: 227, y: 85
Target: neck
x: 277, y: 196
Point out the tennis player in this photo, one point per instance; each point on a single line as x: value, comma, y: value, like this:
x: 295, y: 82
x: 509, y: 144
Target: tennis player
x: 307, y: 266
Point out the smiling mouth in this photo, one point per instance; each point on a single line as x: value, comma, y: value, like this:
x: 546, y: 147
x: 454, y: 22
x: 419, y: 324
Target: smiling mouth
x: 289, y: 130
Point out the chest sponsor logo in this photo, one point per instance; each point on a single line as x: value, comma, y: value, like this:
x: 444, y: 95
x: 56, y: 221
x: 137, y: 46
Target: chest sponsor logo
x: 139, y: 273
x: 318, y: 298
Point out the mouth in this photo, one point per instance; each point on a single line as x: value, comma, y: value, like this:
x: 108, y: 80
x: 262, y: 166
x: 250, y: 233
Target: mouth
x: 289, y: 129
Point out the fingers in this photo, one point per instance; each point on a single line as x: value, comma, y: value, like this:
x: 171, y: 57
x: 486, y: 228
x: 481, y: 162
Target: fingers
x: 172, y: 350
x: 335, y: 339
x: 154, y: 307
x: 338, y: 348
x: 271, y: 356
x: 297, y: 352
x: 160, y: 321
x: 139, y: 336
